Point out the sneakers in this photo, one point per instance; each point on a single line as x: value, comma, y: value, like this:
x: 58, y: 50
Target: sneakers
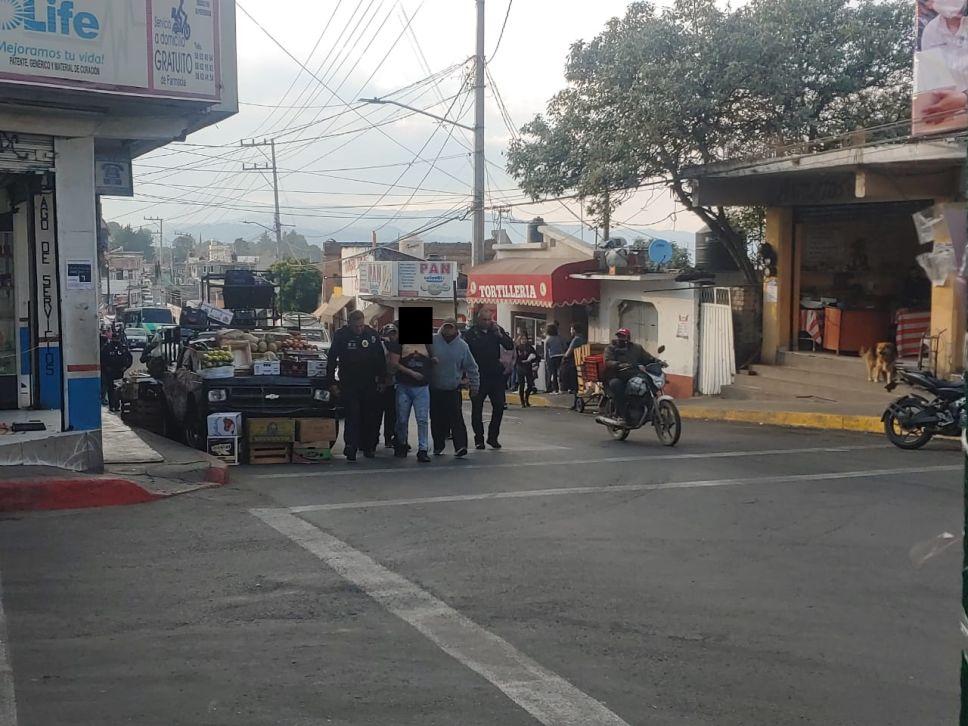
x: 438, y: 452
x: 461, y: 453
x: 423, y: 457
x: 350, y: 456
x: 400, y: 452
x: 493, y: 444
x: 369, y: 454
x: 479, y: 445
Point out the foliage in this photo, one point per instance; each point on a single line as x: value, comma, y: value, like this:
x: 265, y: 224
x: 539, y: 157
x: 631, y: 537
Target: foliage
x: 300, y: 285
x: 680, y: 258
x: 184, y: 246
x: 662, y: 90
x: 131, y: 240
x: 243, y: 248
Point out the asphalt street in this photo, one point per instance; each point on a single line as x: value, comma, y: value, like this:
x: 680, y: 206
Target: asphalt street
x: 749, y: 576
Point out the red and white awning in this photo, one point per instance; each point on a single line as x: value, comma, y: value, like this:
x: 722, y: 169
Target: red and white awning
x: 545, y: 283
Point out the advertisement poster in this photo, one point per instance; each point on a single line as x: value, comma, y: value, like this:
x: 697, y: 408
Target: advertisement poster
x: 426, y: 279
x: 163, y: 48
x: 378, y: 278
x: 80, y: 274
x: 940, y: 67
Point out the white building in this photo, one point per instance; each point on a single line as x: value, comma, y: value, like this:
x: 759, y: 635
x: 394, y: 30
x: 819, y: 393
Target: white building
x: 79, y: 99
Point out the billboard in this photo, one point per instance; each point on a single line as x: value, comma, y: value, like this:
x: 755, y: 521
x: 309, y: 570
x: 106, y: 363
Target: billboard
x: 378, y: 278
x: 940, y: 67
x: 426, y: 279
x: 165, y: 48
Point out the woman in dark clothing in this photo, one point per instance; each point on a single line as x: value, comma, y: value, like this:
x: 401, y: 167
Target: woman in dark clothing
x: 525, y: 358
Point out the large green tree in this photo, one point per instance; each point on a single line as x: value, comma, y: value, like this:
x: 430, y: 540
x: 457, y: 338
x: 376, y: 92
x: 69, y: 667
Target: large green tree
x: 131, y: 240
x: 300, y: 285
x: 663, y: 90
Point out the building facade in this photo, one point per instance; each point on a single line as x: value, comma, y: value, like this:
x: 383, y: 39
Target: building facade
x: 69, y: 129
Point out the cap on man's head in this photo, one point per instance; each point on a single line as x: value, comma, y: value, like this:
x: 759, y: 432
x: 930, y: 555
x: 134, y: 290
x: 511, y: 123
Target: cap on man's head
x: 448, y: 322
x: 623, y: 333
x: 389, y: 328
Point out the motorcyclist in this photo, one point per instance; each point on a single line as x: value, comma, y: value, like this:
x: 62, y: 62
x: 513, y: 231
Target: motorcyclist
x: 624, y: 360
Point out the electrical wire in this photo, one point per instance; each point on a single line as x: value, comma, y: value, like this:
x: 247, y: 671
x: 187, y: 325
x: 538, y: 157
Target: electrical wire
x: 500, y: 37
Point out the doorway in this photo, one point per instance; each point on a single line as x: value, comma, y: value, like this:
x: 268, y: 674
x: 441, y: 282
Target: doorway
x: 642, y: 319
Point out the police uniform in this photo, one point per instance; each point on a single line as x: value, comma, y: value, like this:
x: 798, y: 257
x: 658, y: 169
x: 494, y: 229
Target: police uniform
x: 360, y: 361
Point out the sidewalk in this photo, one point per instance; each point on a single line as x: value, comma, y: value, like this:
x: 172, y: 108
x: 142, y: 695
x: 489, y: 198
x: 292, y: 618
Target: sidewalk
x: 808, y: 414
x: 139, y: 467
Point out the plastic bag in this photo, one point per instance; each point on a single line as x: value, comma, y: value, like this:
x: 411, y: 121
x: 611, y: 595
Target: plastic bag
x: 938, y: 265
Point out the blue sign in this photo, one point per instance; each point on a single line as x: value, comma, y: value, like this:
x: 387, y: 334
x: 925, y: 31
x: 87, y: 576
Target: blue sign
x: 660, y: 252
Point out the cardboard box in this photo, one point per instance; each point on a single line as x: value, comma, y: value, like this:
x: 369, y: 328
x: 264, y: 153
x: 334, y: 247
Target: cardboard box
x: 270, y: 454
x: 271, y: 430
x: 266, y: 368
x: 225, y: 448
x: 316, y: 453
x: 220, y: 372
x: 315, y: 368
x: 294, y: 368
x: 311, y: 430
x: 225, y: 424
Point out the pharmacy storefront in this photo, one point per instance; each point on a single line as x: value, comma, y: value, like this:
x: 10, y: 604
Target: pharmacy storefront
x: 85, y: 87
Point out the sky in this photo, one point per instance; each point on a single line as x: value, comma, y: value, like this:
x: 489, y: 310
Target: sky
x: 349, y: 170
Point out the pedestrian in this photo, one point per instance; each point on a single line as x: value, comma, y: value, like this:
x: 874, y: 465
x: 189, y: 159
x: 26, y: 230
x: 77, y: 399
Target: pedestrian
x: 388, y: 396
x: 554, y: 354
x: 454, y: 363
x: 115, y: 360
x: 526, y: 358
x: 412, y: 364
x: 357, y: 360
x: 569, y: 370
x: 486, y: 340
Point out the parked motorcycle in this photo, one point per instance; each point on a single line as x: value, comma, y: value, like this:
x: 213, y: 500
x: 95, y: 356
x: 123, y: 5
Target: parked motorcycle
x: 912, y: 420
x: 646, y: 404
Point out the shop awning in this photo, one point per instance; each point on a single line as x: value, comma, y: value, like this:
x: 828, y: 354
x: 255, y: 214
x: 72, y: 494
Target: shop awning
x: 332, y: 308
x: 539, y: 282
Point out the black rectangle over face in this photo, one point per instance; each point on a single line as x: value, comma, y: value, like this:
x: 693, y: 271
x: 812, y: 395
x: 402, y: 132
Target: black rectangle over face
x: 416, y: 326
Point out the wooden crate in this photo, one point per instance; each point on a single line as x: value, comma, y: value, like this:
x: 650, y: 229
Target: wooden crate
x: 270, y: 454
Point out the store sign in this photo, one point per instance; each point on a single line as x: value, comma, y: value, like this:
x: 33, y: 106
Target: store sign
x: 112, y: 177
x: 426, y: 279
x: 940, y: 67
x: 511, y: 287
x: 378, y: 278
x: 166, y: 48
x: 47, y: 306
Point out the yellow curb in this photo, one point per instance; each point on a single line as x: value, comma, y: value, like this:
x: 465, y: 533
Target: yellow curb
x: 799, y: 419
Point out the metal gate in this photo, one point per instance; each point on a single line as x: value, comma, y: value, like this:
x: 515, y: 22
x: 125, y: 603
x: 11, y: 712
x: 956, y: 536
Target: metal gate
x: 717, y: 356
x: 642, y: 319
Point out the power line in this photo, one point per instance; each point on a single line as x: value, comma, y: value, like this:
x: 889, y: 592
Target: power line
x: 500, y: 37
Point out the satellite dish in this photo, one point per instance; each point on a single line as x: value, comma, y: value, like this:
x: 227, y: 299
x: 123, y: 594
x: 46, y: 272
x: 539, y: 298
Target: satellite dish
x: 660, y: 252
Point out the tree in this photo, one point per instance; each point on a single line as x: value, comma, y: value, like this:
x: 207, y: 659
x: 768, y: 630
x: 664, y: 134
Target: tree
x: 680, y: 258
x: 300, y: 285
x: 243, y: 248
x: 132, y: 240
x: 184, y: 246
x: 663, y: 90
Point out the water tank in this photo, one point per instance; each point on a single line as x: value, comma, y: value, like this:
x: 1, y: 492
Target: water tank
x: 711, y: 254
x: 534, y: 230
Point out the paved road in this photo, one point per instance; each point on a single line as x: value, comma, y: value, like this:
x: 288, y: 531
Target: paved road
x: 749, y: 576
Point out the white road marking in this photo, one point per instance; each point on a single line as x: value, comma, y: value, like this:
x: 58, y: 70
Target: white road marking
x: 8, y: 699
x: 363, y: 471
x: 619, y: 488
x: 550, y: 699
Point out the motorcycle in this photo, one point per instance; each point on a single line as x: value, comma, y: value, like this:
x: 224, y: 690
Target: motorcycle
x: 912, y: 420
x: 646, y: 404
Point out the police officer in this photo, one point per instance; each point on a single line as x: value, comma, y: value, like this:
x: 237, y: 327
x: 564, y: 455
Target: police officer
x: 358, y: 357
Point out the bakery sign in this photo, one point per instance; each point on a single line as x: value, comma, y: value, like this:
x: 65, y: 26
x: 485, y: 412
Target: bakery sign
x: 426, y: 279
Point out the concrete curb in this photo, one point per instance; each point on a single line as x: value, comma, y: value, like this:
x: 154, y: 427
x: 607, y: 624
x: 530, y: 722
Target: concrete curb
x: 796, y: 419
x: 537, y: 400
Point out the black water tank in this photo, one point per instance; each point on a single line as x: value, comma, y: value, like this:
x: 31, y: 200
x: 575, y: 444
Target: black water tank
x: 711, y: 253
x: 534, y: 230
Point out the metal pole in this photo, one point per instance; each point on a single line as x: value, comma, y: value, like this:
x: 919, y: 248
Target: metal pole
x: 477, y: 248
x: 455, y: 300
x: 275, y: 188
x: 964, y: 586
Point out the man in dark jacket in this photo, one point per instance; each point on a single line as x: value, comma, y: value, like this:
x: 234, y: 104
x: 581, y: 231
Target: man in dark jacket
x: 115, y: 360
x: 623, y: 360
x: 486, y: 339
x: 358, y: 356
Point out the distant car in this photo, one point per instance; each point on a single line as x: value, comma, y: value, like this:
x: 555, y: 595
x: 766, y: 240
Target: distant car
x: 137, y: 338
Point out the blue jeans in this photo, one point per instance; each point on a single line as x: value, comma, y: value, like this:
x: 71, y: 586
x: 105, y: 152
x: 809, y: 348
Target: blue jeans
x: 418, y: 398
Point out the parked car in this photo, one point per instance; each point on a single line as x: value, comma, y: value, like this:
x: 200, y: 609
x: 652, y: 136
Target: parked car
x: 137, y: 338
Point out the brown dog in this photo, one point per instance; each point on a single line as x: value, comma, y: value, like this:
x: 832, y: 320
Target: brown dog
x: 881, y: 361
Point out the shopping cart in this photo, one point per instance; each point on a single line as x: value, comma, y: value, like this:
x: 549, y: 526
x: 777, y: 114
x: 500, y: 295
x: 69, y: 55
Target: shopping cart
x: 591, y: 391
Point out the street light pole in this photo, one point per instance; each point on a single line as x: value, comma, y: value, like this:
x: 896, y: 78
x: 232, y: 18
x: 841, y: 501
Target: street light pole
x: 477, y: 246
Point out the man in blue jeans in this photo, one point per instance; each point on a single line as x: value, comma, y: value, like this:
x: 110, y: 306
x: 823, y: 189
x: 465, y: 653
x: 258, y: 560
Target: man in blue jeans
x: 411, y: 364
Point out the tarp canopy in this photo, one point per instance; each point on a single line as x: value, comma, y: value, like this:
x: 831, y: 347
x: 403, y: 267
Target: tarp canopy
x: 332, y: 308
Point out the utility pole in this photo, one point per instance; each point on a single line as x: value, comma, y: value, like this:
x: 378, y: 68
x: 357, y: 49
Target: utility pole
x: 477, y: 248
x: 161, y: 246
x: 271, y: 143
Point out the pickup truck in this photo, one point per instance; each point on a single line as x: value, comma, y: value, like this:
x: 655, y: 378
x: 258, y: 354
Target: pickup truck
x: 190, y: 397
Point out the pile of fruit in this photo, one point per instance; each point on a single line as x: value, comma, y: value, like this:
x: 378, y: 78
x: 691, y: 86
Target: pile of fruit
x: 217, y: 358
x: 295, y: 342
